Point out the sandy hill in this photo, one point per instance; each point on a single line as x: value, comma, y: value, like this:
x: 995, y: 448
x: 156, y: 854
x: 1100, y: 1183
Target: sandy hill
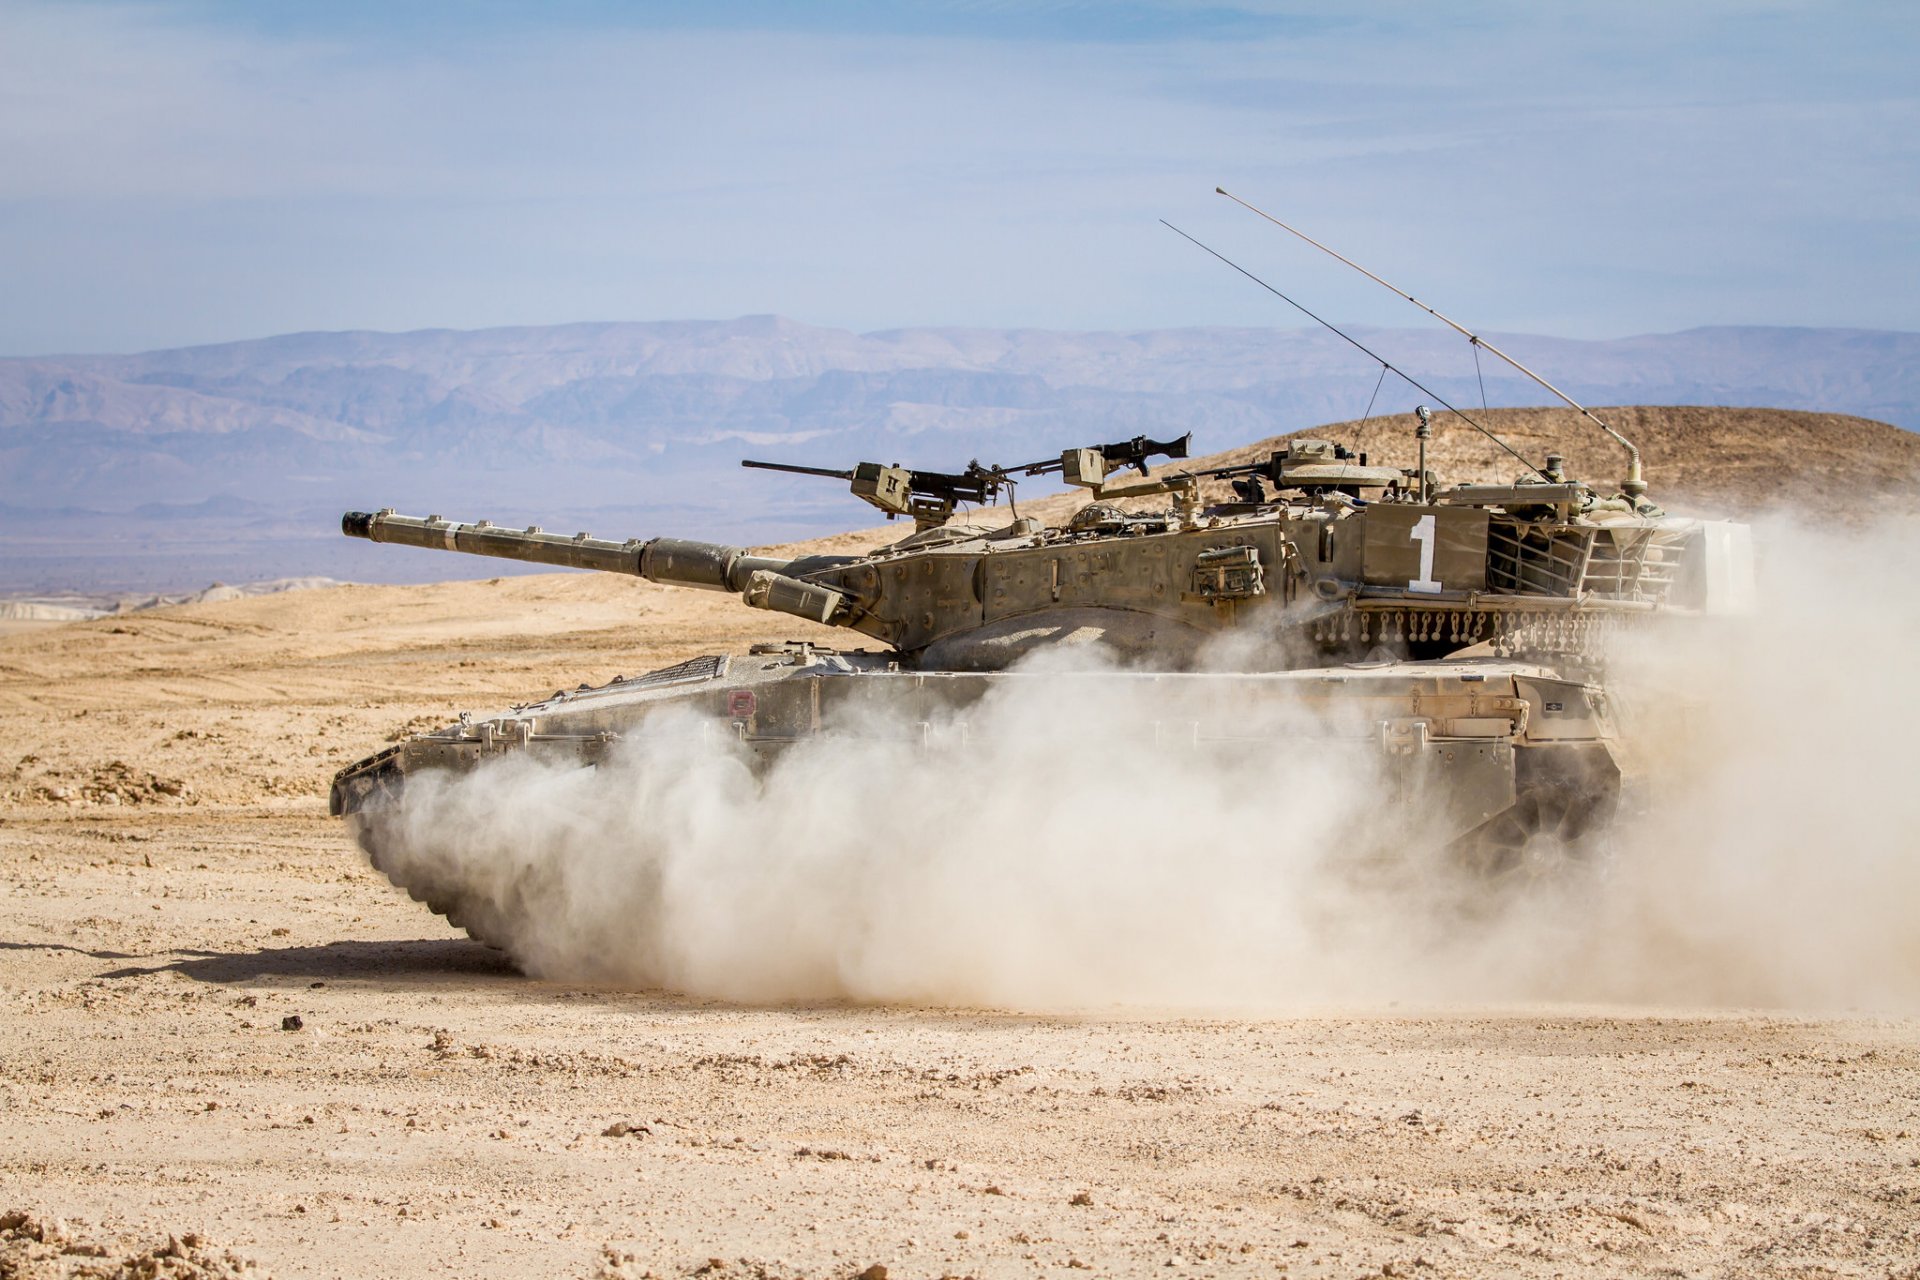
x: 262, y: 697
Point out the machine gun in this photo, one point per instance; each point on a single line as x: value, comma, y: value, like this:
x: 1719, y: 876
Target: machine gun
x: 928, y: 496
x: 1311, y: 466
x: 1089, y: 468
x: 931, y: 496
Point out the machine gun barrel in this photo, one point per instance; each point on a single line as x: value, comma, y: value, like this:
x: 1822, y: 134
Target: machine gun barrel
x: 928, y: 496
x: 672, y: 561
x: 794, y: 469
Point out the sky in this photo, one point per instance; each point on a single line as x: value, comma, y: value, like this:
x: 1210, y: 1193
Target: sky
x: 194, y: 171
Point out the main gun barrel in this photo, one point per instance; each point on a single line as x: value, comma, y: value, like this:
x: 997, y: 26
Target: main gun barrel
x: 762, y: 580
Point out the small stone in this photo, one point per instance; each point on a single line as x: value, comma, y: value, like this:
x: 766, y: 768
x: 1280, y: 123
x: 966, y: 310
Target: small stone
x: 292, y: 1022
x: 875, y: 1272
x: 1081, y: 1198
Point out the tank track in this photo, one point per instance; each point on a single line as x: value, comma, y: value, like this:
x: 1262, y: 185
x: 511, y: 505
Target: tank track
x: 479, y: 920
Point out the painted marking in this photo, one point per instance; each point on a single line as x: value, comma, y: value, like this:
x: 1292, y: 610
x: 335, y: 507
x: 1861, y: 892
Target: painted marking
x: 1423, y: 532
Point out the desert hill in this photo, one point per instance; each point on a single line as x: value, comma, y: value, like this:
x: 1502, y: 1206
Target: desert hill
x: 246, y: 699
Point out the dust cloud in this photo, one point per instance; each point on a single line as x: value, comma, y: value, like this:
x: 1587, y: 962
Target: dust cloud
x: 1775, y: 860
x: 1048, y: 854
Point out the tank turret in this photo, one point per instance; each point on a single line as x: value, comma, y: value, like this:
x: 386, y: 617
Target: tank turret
x: 1355, y: 557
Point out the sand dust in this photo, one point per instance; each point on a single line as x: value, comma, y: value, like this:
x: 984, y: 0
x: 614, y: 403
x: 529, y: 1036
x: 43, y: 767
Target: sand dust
x: 220, y: 1027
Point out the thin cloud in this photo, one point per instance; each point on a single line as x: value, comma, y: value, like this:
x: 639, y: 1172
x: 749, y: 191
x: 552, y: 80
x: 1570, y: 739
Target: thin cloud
x: 180, y: 174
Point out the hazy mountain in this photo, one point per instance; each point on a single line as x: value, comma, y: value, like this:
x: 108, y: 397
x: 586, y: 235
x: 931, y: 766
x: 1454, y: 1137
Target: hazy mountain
x: 213, y: 451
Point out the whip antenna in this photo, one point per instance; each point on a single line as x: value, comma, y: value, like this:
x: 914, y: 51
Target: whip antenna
x: 1385, y: 368
x: 1633, y: 486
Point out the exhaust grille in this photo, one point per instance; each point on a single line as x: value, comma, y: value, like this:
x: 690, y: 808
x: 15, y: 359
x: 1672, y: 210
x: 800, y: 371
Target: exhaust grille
x: 1629, y: 563
x: 692, y: 671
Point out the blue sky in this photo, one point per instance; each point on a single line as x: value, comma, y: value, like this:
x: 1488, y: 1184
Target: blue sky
x: 175, y: 173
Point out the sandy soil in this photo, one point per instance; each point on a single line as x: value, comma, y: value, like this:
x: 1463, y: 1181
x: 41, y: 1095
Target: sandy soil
x: 225, y: 1041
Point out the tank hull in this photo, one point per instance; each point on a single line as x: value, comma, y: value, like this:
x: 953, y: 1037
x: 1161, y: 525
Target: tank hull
x: 1502, y: 766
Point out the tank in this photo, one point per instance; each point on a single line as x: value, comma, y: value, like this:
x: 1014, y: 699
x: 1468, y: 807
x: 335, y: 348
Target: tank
x: 1447, y: 635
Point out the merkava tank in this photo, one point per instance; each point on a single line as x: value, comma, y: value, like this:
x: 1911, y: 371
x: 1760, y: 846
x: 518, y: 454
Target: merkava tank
x: 1446, y: 634
x: 1445, y: 639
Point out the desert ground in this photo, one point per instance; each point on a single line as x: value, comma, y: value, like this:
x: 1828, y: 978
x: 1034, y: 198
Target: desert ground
x: 228, y: 1047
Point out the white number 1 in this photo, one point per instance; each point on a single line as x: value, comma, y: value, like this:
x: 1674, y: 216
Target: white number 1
x: 1423, y: 533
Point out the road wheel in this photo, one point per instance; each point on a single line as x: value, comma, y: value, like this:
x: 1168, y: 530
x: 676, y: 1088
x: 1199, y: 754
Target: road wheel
x: 1550, y: 834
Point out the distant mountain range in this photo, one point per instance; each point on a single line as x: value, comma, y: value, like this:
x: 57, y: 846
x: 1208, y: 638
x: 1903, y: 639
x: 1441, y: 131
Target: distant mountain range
x: 204, y: 451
